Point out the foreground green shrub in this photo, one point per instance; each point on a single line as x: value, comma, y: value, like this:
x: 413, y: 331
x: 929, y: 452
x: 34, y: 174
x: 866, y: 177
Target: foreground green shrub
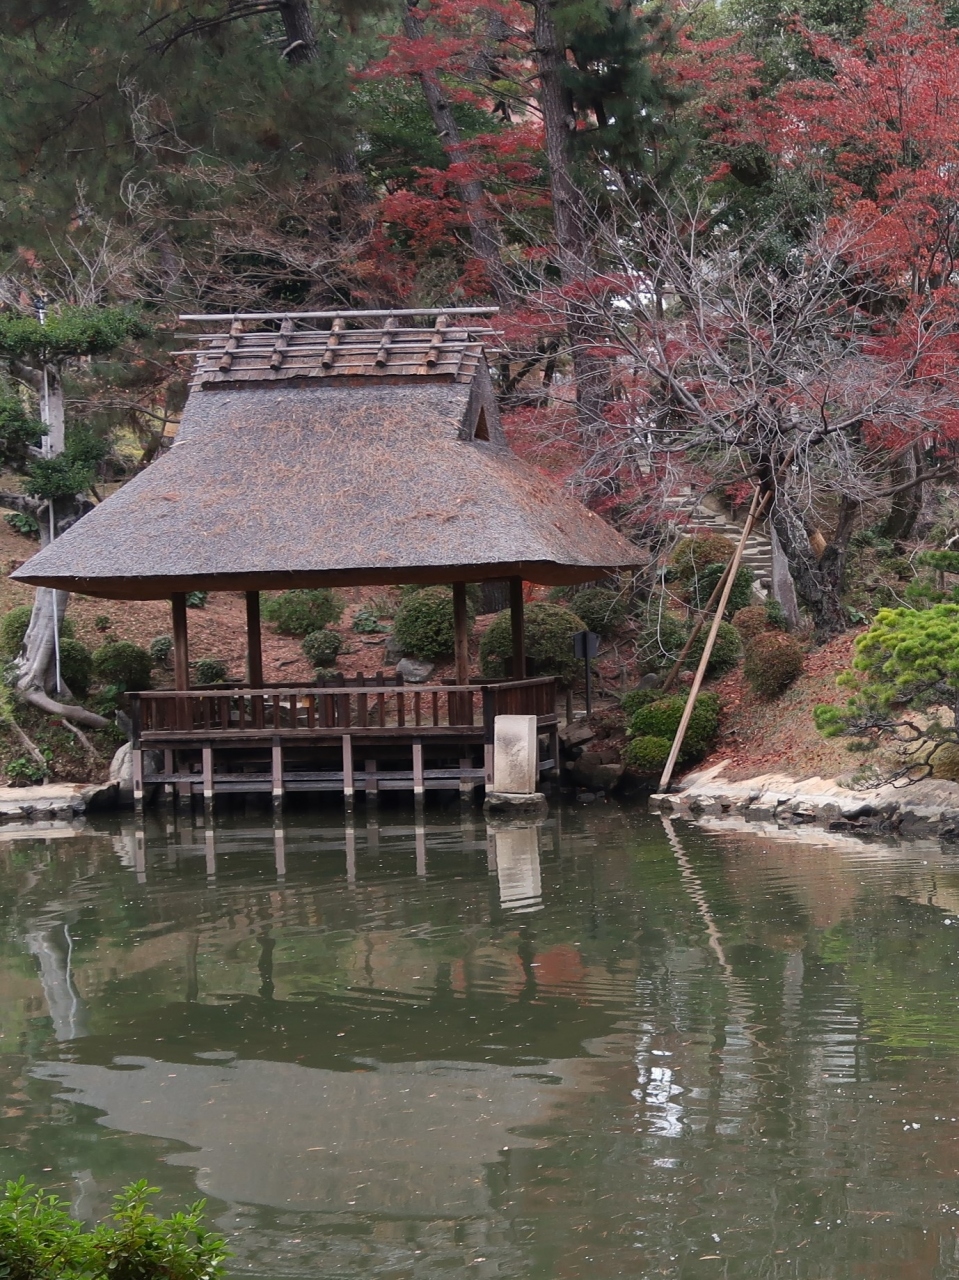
x: 424, y: 627
x: 13, y: 628
x: 661, y: 639
x: 773, y: 661
x: 123, y: 664
x: 76, y: 667
x: 601, y: 610
x: 210, y: 671
x: 699, y: 550
x: 647, y: 754
x: 660, y: 719
x: 907, y: 661
x: 725, y: 652
x: 40, y: 1241
x: 297, y: 613
x: 322, y: 648
x: 549, y: 630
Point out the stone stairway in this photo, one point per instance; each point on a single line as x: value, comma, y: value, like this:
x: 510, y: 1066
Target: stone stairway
x: 758, y: 553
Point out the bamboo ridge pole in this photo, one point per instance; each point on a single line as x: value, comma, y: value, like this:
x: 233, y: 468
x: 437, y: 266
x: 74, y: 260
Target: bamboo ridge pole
x: 343, y: 315
x: 732, y: 569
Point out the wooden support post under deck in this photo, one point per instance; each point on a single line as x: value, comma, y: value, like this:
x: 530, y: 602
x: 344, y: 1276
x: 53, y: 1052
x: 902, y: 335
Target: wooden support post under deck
x: 517, y: 628
x: 254, y: 641
x: 207, y: 752
x: 461, y: 633
x: 348, y: 788
x: 277, y: 771
x: 181, y: 645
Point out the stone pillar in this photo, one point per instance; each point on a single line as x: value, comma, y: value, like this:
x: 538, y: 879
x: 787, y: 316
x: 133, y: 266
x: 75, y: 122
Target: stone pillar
x: 515, y: 766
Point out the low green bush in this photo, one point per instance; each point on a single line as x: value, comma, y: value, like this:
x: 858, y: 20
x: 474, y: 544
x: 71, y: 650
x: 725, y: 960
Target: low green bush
x: 322, y: 648
x: 366, y: 622
x: 701, y: 587
x: 39, y: 1240
x: 210, y: 671
x: 103, y: 622
x: 602, y: 610
x: 647, y: 754
x: 549, y: 630
x: 637, y: 698
x: 726, y: 650
x: 14, y: 627
x: 297, y: 613
x: 423, y: 626
x: 23, y: 771
x: 773, y: 661
x: 694, y: 553
x: 660, y: 719
x: 76, y: 667
x: 196, y: 599
x: 160, y: 649
x: 123, y: 664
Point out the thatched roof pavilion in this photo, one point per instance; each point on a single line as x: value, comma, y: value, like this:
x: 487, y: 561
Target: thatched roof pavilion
x: 314, y: 465
x: 330, y: 456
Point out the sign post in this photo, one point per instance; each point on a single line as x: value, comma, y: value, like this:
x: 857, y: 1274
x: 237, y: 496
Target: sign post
x: 586, y: 646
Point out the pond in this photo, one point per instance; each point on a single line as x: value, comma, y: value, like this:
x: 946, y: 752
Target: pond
x: 606, y: 1046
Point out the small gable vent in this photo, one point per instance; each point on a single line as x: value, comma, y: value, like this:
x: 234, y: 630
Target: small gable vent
x: 481, y: 431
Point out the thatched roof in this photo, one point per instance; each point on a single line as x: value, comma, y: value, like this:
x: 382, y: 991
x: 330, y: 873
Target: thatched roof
x: 311, y: 480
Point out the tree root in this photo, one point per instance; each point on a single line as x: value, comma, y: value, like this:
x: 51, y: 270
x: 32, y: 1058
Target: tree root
x: 31, y: 746
x: 79, y: 715
x: 89, y: 748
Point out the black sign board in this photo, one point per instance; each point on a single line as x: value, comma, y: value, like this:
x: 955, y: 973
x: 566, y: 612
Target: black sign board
x: 586, y: 646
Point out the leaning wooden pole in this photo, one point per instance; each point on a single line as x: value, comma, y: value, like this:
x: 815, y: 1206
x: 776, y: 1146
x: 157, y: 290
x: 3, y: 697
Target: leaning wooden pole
x: 708, y: 647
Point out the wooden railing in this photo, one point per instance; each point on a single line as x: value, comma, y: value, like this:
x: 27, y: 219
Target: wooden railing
x: 392, y: 709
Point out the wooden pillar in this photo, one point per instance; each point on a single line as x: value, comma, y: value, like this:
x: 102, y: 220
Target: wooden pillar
x: 254, y: 642
x: 181, y: 647
x: 517, y: 627
x: 461, y: 633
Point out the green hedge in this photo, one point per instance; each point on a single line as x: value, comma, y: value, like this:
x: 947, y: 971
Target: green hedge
x: 210, y: 671
x: 297, y: 613
x: 647, y: 754
x: 773, y: 661
x: 14, y: 627
x: 76, y: 667
x: 660, y: 719
x: 123, y: 664
x: 322, y: 648
x: 424, y: 626
x: 602, y: 610
x: 549, y: 631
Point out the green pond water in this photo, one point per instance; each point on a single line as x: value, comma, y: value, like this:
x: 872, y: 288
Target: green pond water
x: 605, y: 1046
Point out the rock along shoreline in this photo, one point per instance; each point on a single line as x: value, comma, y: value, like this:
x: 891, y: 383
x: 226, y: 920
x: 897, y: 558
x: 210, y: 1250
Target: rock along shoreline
x: 919, y: 810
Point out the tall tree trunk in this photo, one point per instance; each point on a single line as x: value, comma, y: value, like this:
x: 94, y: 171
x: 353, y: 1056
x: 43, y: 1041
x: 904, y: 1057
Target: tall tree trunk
x: 483, y: 235
x: 572, y: 218
x: 906, y: 505
x: 299, y: 31
x: 818, y: 581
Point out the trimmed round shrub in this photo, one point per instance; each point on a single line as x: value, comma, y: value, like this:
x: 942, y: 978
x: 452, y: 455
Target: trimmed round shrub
x: 751, y: 621
x: 602, y: 610
x: 76, y: 667
x: 660, y: 719
x: 322, y: 648
x: 699, y: 550
x: 637, y: 698
x: 14, y: 627
x: 123, y: 664
x: 423, y: 626
x: 773, y: 661
x: 725, y: 652
x: 703, y: 585
x: 549, y: 631
x: 647, y: 754
x: 297, y: 613
x: 210, y: 671
x: 474, y: 594
x: 160, y: 649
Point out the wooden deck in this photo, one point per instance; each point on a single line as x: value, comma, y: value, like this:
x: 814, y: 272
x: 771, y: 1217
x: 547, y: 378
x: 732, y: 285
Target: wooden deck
x: 363, y: 735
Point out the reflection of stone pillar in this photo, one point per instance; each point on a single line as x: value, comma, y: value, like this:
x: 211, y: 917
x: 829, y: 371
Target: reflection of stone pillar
x: 67, y: 1011
x: 517, y: 867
